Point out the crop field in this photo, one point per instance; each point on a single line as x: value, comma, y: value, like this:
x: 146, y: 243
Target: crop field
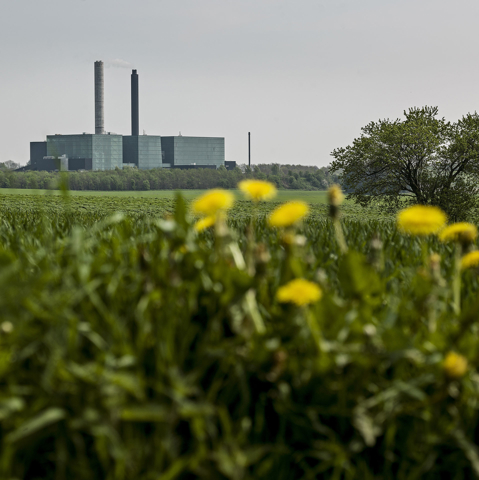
x: 137, y: 344
x: 88, y: 209
x: 283, y: 195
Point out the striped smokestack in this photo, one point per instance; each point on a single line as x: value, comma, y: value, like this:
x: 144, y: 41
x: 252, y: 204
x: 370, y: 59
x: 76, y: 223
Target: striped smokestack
x: 99, y: 113
x: 135, y: 116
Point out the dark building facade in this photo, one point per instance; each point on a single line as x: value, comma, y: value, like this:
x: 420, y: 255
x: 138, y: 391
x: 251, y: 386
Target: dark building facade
x: 38, y: 150
x: 144, y: 151
x: 193, y: 151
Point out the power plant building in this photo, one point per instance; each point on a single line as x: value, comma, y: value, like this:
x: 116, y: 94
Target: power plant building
x: 107, y: 151
x: 143, y: 151
x: 102, y: 152
x: 193, y: 151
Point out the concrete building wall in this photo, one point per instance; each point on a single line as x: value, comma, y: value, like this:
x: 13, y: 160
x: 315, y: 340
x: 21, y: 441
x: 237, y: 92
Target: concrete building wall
x: 149, y: 152
x: 105, y: 151
x: 71, y: 145
x: 193, y: 150
x: 143, y: 150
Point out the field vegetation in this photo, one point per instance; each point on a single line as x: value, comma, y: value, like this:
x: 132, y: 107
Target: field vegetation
x: 309, y: 196
x: 147, y: 338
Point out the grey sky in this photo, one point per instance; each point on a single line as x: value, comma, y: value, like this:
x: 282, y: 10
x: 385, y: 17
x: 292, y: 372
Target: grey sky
x: 303, y: 76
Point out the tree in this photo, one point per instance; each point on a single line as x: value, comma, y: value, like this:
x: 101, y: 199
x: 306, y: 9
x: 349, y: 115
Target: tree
x: 11, y: 165
x: 422, y: 159
x: 275, y: 168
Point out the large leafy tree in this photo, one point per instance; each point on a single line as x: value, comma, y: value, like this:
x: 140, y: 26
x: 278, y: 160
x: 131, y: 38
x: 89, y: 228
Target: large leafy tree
x: 421, y: 159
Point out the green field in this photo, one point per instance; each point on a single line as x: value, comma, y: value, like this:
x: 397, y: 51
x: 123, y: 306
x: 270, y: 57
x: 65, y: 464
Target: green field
x: 134, y: 347
x: 86, y: 208
x: 283, y: 195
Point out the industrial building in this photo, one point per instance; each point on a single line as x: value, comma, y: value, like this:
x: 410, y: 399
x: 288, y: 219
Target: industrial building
x: 180, y: 151
x: 107, y: 151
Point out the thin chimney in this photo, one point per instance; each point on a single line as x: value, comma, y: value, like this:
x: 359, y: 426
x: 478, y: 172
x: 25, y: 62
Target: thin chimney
x: 99, y: 112
x: 135, y: 116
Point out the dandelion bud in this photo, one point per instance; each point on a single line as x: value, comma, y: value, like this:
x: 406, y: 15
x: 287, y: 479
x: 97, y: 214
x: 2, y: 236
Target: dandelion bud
x: 262, y: 258
x: 321, y: 277
x: 335, y: 195
x: 435, y: 263
x: 6, y: 327
x: 435, y: 268
x: 289, y: 238
x: 280, y: 358
x: 454, y: 365
x: 335, y: 198
x: 376, y: 252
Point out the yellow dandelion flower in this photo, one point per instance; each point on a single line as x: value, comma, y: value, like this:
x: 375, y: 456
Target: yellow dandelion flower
x: 288, y: 214
x: 470, y: 260
x: 213, y: 202
x: 204, y: 223
x: 300, y: 292
x: 454, y: 365
x: 257, y: 190
x: 459, y: 232
x: 335, y: 195
x: 421, y: 220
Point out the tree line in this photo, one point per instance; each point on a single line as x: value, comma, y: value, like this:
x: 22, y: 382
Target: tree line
x: 296, y: 177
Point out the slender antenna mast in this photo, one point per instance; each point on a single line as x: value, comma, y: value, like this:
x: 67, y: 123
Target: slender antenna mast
x: 249, y: 149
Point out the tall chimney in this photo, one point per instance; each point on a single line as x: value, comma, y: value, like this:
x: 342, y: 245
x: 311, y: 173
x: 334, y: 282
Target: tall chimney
x: 99, y: 114
x: 135, y: 116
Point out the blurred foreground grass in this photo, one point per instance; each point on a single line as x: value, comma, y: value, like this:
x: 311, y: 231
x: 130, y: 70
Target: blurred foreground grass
x: 132, y: 347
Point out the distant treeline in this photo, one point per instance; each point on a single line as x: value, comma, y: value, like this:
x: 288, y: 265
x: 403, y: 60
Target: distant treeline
x: 294, y: 177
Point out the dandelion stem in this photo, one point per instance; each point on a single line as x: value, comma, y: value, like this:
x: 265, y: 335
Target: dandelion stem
x: 456, y: 285
x: 424, y: 251
x: 314, y: 329
x: 338, y: 230
x: 251, y: 238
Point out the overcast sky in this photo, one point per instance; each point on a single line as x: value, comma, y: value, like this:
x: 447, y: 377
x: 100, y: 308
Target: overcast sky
x: 302, y: 76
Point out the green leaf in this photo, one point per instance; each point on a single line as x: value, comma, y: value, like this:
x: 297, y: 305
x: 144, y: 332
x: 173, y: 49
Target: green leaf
x: 145, y: 413
x: 10, y: 406
x: 31, y: 427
